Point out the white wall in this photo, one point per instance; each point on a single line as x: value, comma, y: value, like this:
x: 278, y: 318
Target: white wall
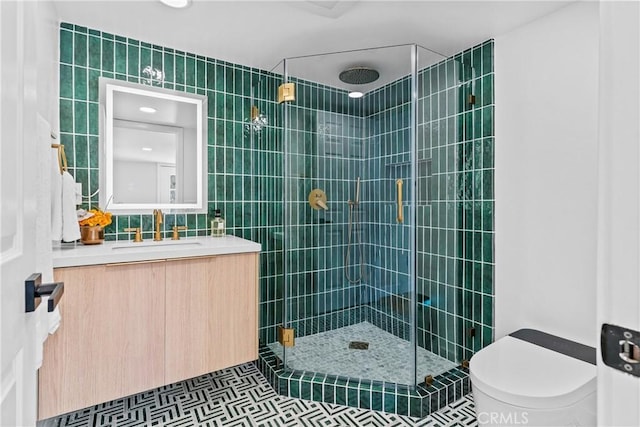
x: 546, y: 174
x: 619, y: 201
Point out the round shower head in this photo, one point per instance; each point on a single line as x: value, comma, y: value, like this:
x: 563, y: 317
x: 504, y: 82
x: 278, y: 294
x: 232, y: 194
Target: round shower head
x: 359, y: 75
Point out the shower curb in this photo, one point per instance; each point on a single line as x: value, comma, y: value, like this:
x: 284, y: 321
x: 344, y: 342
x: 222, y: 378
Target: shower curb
x: 387, y: 397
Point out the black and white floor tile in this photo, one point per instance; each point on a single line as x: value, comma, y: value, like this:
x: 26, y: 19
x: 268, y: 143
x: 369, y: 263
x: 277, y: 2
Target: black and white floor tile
x: 242, y: 397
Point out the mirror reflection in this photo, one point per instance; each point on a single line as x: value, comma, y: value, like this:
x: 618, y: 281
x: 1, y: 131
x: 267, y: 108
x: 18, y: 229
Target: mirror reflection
x: 154, y: 151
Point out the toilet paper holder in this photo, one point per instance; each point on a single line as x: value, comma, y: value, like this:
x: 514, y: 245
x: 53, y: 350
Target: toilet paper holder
x: 35, y: 290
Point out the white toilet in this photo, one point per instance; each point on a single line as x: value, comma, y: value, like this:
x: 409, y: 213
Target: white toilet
x: 531, y: 378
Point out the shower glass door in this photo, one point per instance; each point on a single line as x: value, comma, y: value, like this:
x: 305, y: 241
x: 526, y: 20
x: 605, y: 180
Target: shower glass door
x: 349, y: 214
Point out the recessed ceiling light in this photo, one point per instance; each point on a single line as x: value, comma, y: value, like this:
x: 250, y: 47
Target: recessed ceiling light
x: 147, y: 149
x: 176, y: 3
x: 147, y: 110
x: 356, y: 94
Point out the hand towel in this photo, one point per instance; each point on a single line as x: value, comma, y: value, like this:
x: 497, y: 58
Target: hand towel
x: 46, y: 324
x: 56, y: 198
x: 70, y: 227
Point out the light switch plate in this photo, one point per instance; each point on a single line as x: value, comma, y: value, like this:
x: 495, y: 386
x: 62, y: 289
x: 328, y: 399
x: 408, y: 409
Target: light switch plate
x: 78, y: 193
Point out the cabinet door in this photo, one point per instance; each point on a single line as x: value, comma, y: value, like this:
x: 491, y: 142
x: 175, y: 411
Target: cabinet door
x: 212, y: 314
x: 111, y: 340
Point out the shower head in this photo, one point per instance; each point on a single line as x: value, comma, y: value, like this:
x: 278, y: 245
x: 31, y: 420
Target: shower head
x: 359, y: 75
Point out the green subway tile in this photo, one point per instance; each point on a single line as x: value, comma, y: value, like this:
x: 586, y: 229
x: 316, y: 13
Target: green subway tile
x: 201, y: 74
x: 487, y: 336
x: 487, y: 279
x: 80, y: 117
x: 133, y: 60
x: 156, y: 59
x: 487, y: 184
x: 95, y: 56
x: 94, y: 150
x: 145, y: 61
x: 80, y: 83
x: 107, y: 55
x: 93, y: 86
x: 190, y: 71
x: 94, y: 119
x: 66, y: 47
x: 220, y: 78
x: 487, y: 90
x: 352, y: 397
x: 180, y: 67
x: 402, y: 404
x: 66, y: 81
x: 487, y: 247
x: 487, y: 310
x: 487, y: 121
x: 487, y: 58
x: 81, y: 151
x: 169, y: 67
x: 121, y: 58
x: 66, y: 115
x: 316, y: 392
x: 66, y: 25
x: 80, y: 49
x: 341, y: 395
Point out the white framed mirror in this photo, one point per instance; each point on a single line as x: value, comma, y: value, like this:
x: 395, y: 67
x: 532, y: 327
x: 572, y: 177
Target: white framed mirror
x: 153, y: 152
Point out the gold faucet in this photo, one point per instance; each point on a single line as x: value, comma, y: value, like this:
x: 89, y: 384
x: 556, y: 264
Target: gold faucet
x: 157, y: 214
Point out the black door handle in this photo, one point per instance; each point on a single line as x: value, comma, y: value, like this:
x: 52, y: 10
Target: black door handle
x: 35, y: 290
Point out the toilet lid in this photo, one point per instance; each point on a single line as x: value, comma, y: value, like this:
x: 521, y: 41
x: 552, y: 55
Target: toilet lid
x: 519, y: 373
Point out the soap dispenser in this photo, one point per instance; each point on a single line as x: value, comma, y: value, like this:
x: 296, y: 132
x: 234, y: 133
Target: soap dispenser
x: 217, y: 225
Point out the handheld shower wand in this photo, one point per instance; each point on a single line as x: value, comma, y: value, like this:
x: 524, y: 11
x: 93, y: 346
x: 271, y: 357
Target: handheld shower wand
x: 352, y: 229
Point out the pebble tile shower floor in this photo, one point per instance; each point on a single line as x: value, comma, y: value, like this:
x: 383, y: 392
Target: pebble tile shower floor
x: 386, y: 359
x: 239, y: 397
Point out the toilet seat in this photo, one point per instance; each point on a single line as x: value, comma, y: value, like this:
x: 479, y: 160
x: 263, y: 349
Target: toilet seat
x: 523, y: 374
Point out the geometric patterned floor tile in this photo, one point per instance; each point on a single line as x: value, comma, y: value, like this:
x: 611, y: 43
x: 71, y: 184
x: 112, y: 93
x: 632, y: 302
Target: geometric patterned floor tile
x: 242, y: 397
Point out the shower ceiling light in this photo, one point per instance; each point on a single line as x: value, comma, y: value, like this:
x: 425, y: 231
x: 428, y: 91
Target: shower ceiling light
x: 148, y: 110
x: 178, y: 4
x: 356, y: 94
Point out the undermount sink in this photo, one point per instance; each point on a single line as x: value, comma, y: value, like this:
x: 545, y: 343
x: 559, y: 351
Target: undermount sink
x: 162, y: 244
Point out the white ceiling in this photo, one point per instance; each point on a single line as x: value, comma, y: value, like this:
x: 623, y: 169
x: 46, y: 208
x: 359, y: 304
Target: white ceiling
x: 261, y: 33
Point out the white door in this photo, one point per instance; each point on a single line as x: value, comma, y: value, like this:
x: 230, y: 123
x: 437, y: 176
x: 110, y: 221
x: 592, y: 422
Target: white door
x: 17, y: 212
x: 619, y: 201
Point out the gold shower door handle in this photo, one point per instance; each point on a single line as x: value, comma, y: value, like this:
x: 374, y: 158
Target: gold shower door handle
x: 399, y: 193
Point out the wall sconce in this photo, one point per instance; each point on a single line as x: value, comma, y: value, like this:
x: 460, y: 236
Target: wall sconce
x: 153, y: 75
x: 256, y: 122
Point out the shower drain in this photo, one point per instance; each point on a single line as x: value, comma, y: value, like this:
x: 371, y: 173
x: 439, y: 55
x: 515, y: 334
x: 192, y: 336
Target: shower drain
x: 359, y: 345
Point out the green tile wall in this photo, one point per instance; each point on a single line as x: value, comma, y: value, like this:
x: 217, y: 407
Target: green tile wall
x: 455, y: 191
x: 455, y: 230
x: 387, y: 243
x: 324, y: 150
x: 245, y: 173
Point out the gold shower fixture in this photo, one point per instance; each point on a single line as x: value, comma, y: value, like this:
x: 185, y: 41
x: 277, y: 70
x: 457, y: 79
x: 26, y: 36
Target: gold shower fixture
x: 286, y: 92
x: 318, y: 199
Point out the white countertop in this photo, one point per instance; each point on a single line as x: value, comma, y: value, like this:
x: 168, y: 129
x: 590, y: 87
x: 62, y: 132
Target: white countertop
x: 122, y: 251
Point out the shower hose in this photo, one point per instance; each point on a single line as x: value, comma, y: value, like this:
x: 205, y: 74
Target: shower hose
x: 353, y: 229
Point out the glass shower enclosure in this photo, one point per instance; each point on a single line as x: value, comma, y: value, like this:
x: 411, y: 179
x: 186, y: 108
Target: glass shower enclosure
x: 351, y: 191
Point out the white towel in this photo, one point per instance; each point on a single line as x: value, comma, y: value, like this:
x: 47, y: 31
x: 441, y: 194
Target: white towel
x: 56, y: 199
x: 46, y: 323
x: 70, y: 227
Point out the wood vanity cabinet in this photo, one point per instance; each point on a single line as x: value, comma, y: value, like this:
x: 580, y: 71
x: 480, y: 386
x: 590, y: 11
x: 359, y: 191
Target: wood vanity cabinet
x: 211, y: 315
x: 132, y: 327
x: 110, y: 342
